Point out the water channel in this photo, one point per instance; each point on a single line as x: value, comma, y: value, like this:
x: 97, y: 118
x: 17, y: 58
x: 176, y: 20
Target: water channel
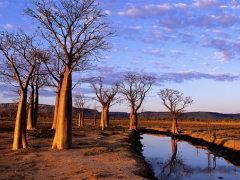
x: 175, y: 159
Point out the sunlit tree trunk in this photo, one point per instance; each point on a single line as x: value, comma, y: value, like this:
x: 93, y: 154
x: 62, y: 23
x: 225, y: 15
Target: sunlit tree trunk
x: 54, y: 125
x: 63, y: 134
x: 104, y: 117
x: 30, y: 118
x: 79, y: 118
x: 107, y: 119
x: 133, y: 120
x: 36, y: 106
x: 20, y: 140
x: 82, y: 117
x: 174, y: 125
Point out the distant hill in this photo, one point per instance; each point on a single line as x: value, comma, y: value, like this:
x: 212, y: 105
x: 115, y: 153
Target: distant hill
x: 196, y: 115
x: 11, y: 108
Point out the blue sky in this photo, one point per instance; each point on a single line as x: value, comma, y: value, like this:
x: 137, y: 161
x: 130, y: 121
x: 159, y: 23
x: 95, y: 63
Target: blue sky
x: 189, y: 45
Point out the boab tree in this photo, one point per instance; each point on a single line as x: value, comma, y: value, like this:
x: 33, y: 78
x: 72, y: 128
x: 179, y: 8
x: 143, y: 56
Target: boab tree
x: 174, y: 101
x: 78, y: 27
x: 18, y: 63
x: 80, y: 102
x: 134, y: 89
x: 105, y: 96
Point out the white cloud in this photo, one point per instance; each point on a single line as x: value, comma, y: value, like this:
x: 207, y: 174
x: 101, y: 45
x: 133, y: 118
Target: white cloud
x: 115, y: 50
x: 137, y: 27
x: 154, y: 27
x: 236, y: 7
x: 167, y: 30
x: 157, y: 35
x: 212, y: 70
x: 108, y: 12
x: 121, y: 13
x: 8, y: 26
x: 108, y: 57
x: 225, y: 56
x: 223, y: 6
x: 175, y: 52
x: 205, y: 64
x: 205, y: 4
x: 149, y: 10
x: 205, y: 37
x: 155, y: 51
x: 181, y: 5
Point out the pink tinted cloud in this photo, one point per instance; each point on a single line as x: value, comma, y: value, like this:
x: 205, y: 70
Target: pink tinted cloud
x: 205, y: 4
x: 146, y: 11
x: 225, y: 56
x: 180, y: 77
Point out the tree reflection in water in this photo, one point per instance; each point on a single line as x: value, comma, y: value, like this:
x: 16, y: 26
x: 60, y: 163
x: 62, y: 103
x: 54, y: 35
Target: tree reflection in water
x: 209, y: 170
x: 175, y: 168
x: 185, y: 162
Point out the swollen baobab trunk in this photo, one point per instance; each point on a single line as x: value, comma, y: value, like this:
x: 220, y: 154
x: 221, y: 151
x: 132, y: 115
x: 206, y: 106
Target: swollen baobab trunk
x: 20, y: 140
x: 104, y: 117
x: 133, y: 121
x: 63, y: 134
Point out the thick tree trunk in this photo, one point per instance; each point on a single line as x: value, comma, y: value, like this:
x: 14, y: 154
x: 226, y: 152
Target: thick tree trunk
x: 82, y: 117
x: 104, y: 117
x: 20, y: 139
x: 174, y: 125
x: 133, y: 120
x: 35, y: 107
x: 54, y: 125
x: 63, y: 134
x: 79, y: 118
x: 30, y: 118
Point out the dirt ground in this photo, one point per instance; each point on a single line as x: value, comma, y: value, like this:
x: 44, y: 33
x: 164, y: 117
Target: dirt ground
x: 97, y: 154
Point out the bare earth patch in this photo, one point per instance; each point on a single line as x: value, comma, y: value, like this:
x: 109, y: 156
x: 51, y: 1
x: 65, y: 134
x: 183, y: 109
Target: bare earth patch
x: 96, y: 154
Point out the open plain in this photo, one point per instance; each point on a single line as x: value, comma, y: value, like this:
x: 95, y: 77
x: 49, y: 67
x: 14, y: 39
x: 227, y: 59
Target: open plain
x: 96, y: 154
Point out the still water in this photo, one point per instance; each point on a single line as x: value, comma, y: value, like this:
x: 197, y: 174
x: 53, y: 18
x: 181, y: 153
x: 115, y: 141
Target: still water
x: 175, y: 159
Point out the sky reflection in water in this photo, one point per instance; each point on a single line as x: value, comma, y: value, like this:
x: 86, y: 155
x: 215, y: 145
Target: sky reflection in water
x: 174, y: 159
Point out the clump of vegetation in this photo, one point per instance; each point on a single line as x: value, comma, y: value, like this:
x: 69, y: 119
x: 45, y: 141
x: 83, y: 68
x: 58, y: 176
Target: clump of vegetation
x: 88, y: 153
x: 65, y: 146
